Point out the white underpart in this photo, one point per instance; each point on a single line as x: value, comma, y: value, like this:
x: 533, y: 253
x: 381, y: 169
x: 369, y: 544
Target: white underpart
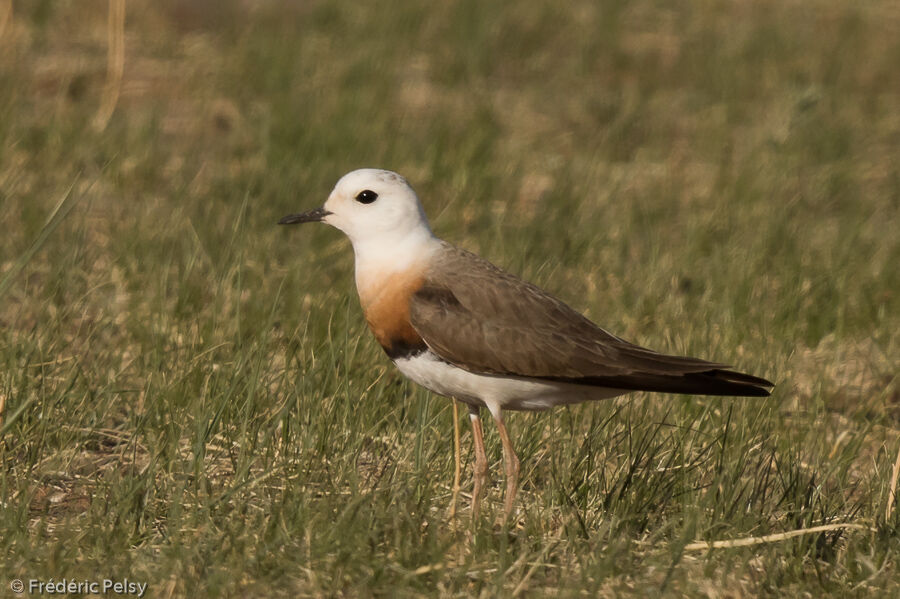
x: 496, y: 392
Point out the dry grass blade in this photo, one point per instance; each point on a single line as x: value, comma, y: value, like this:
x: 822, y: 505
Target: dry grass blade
x: 892, y: 494
x: 6, y: 12
x: 537, y: 564
x: 773, y: 538
x: 115, y: 63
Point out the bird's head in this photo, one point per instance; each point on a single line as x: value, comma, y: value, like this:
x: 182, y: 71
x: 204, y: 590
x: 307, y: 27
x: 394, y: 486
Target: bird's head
x: 370, y: 206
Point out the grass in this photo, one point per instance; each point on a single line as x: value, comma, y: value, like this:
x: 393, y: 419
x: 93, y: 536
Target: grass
x: 190, y: 396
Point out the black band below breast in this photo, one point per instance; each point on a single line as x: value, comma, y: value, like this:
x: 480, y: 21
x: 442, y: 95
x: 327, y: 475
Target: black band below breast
x: 398, y: 349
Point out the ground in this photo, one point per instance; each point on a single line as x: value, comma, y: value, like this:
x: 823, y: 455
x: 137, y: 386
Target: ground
x: 189, y: 396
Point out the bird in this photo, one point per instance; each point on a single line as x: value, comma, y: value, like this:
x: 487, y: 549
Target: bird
x: 464, y: 328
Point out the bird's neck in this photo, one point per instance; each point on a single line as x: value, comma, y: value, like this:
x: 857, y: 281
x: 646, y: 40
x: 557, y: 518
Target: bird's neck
x: 379, y: 261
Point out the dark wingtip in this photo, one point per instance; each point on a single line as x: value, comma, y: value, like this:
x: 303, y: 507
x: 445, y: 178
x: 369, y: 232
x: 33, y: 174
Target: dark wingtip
x: 710, y: 382
x: 752, y: 386
x: 748, y: 391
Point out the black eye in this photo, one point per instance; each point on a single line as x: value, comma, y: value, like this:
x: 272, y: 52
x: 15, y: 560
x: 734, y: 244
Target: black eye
x: 366, y: 196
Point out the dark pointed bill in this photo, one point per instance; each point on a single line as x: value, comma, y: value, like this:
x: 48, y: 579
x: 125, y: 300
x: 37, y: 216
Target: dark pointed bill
x: 313, y: 216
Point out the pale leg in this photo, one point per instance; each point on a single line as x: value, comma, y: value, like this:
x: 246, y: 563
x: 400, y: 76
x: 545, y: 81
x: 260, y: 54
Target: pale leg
x: 456, y: 466
x: 481, y: 463
x: 511, y: 462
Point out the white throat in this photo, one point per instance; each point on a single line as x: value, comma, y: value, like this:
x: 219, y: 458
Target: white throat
x: 378, y: 258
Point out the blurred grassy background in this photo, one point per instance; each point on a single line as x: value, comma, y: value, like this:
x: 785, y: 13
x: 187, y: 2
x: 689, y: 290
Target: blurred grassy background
x: 190, y: 396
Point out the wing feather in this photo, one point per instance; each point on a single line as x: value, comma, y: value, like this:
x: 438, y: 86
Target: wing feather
x: 484, y: 319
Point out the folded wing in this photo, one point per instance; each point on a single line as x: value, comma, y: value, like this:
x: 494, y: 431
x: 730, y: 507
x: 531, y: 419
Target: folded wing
x: 483, y: 319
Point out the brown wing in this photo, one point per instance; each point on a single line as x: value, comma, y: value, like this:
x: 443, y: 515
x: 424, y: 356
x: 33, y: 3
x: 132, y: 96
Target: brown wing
x: 481, y: 318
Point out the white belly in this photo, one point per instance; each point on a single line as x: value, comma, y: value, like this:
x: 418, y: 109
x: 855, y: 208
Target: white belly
x: 494, y: 391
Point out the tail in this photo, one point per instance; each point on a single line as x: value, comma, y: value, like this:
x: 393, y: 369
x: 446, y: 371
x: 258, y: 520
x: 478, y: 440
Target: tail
x: 729, y: 382
x: 708, y: 382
